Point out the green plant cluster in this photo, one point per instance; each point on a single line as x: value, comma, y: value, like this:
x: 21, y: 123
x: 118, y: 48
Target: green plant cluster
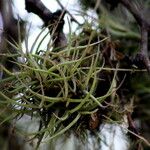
x: 57, y: 87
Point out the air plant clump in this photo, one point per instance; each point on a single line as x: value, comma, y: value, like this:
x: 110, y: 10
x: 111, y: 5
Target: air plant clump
x: 62, y: 88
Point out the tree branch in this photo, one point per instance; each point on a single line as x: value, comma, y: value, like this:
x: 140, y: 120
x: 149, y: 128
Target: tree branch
x: 144, y: 24
x: 144, y: 47
x: 53, y: 20
x: 38, y: 8
x: 138, y: 15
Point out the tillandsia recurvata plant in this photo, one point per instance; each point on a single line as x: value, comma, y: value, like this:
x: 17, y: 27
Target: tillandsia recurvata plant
x: 81, y: 80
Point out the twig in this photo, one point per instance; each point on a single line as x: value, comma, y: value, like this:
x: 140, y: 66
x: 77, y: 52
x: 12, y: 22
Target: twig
x: 134, y: 134
x: 72, y: 17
